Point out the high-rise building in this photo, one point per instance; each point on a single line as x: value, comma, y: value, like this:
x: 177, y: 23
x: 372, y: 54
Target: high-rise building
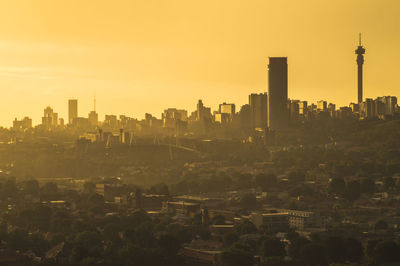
x: 72, y: 110
x: 303, y: 108
x: 172, y: 116
x: 245, y: 117
x: 203, y: 113
x: 20, y: 125
x: 360, y: 61
x: 259, y: 110
x: 49, y: 119
x: 227, y: 108
x: 278, y: 117
x: 322, y: 105
x: 93, y: 118
x: 390, y: 104
x: 294, y: 109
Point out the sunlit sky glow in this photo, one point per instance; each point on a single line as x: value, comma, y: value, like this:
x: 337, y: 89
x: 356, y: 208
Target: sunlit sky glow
x: 145, y: 56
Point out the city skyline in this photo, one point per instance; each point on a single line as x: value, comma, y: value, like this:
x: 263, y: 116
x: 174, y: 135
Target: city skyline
x: 136, y: 65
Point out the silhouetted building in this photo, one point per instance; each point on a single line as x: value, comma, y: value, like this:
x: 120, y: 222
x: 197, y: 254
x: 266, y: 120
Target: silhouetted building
x: 259, y: 110
x: 390, y: 103
x: 360, y: 61
x: 227, y: 108
x: 81, y: 123
x: 20, y: 125
x: 367, y: 108
x: 294, y: 109
x: 277, y: 93
x: 93, y: 119
x: 49, y: 119
x: 72, y: 110
x: 203, y: 113
x: 322, y: 105
x: 355, y: 107
x: 111, y: 121
x: 172, y: 116
x: 245, y: 116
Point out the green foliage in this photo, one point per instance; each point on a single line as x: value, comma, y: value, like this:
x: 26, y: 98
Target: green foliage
x: 273, y: 247
x: 386, y: 252
x: 245, y: 227
x: 236, y: 257
x: 337, y: 186
x: 248, y: 200
x: 353, y: 190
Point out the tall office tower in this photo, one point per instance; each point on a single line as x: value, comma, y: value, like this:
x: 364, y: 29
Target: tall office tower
x: 360, y: 61
x: 259, y: 110
x: 390, y: 104
x: 49, y: 119
x: 303, y: 108
x: 278, y: 117
x: 93, y: 119
x: 322, y: 105
x: 72, y: 110
x: 203, y: 113
x: 245, y: 117
x: 294, y: 109
x: 227, y: 108
x: 93, y: 116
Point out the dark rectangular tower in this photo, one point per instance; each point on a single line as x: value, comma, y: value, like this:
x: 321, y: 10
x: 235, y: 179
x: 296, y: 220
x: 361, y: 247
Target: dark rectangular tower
x: 278, y: 117
x: 72, y: 110
x: 360, y: 61
x: 259, y: 110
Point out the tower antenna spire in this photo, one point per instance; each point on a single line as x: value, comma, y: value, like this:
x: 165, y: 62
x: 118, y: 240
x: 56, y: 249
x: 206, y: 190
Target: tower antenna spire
x: 359, y: 38
x: 94, y: 101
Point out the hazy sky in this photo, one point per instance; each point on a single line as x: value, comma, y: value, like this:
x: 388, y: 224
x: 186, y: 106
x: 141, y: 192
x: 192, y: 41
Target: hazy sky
x: 145, y: 56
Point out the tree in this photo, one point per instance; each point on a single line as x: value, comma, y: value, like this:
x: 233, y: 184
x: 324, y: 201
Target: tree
x: 160, y: 188
x: 230, y: 238
x: 387, y: 252
x: 248, y: 200
x: 297, y: 177
x: 273, y: 247
x: 354, y: 250
x: 49, y: 190
x: 89, y: 188
x: 236, y: 257
x: 381, y: 225
x: 245, y: 227
x: 10, y: 187
x: 367, y: 186
x: 169, y: 245
x: 296, y: 245
x: 388, y: 182
x: 260, y: 180
x: 337, y: 186
x: 111, y: 232
x: 352, y: 192
x: 313, y: 255
x: 31, y: 187
x: 335, y: 249
x: 244, y: 181
x: 218, y: 220
x: 264, y: 181
x: 370, y: 247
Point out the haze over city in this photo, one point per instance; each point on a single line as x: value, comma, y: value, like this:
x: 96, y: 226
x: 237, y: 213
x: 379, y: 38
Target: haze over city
x: 144, y: 57
x: 200, y: 133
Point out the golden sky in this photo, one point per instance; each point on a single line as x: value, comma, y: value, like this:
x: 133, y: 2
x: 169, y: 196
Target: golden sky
x: 145, y: 56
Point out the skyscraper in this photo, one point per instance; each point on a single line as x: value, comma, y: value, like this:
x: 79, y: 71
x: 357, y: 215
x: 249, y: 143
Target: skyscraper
x: 278, y: 117
x: 360, y: 61
x: 258, y: 110
x: 72, y: 110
